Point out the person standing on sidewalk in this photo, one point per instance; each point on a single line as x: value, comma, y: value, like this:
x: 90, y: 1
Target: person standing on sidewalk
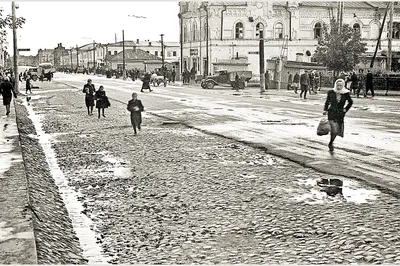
x: 296, y: 81
x: 7, y: 90
x: 267, y: 78
x: 101, y: 100
x: 289, y: 81
x: 337, y: 104
x: 369, y: 84
x: 361, y: 82
x: 304, y: 84
x: 89, y: 90
x: 136, y: 108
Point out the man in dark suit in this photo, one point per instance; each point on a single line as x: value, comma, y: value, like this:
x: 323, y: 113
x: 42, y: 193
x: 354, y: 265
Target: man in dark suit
x: 304, y: 84
x: 369, y: 84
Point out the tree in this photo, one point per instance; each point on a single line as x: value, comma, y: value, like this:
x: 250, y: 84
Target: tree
x: 339, y: 50
x: 7, y: 23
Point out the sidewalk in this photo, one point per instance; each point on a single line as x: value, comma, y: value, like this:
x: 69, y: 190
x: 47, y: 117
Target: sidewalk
x: 17, y: 239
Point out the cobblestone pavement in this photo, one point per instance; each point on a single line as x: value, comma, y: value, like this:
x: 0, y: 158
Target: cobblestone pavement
x: 176, y: 195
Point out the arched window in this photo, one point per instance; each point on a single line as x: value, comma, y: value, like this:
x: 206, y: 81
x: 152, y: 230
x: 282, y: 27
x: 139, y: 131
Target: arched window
x: 260, y: 30
x: 317, y: 30
x: 194, y: 31
x: 278, y: 30
x: 374, y: 31
x: 239, y: 30
x: 356, y: 27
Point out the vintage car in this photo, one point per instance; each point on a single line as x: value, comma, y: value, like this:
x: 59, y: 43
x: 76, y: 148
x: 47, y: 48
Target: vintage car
x: 224, y: 78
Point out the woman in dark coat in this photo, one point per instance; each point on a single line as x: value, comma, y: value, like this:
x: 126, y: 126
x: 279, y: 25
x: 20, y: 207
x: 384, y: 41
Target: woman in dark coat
x: 101, y: 100
x: 338, y: 102
x: 136, y: 108
x: 7, y: 90
x: 89, y: 90
x: 146, y: 82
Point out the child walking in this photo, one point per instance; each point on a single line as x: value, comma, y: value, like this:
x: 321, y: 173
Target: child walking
x: 136, y: 108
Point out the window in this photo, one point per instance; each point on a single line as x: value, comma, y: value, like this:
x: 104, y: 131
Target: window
x: 156, y: 53
x: 278, y: 30
x: 239, y: 30
x: 205, y: 31
x: 374, y: 31
x: 169, y: 53
x: 356, y: 27
x: 185, y: 34
x: 174, y: 53
x: 115, y: 52
x: 194, y: 31
x: 260, y: 30
x: 317, y: 30
x: 148, y: 52
x: 396, y: 30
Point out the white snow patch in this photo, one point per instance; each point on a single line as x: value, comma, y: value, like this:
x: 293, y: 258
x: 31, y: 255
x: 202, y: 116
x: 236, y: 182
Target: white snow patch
x: 81, y: 223
x: 352, y: 192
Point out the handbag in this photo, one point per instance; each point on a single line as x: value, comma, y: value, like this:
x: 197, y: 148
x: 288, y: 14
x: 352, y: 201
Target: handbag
x: 323, y: 128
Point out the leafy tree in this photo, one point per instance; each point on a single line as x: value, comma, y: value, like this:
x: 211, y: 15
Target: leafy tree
x: 339, y: 50
x: 6, y: 22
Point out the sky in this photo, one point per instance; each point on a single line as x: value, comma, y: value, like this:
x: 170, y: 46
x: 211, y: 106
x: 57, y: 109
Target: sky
x: 80, y: 22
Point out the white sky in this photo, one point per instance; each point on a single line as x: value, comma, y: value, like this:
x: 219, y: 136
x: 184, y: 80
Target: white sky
x: 71, y: 23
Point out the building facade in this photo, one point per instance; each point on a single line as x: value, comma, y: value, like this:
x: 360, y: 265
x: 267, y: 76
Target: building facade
x: 226, y: 34
x: 45, y: 56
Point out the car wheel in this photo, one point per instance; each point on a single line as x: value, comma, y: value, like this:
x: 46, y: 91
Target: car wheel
x: 241, y: 85
x: 203, y: 85
x: 210, y: 85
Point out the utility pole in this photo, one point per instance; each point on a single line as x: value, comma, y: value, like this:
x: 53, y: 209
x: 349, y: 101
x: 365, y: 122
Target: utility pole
x: 71, y: 59
x: 207, y: 37
x: 123, y: 55
x: 77, y: 57
x: 379, y: 37
x: 389, y: 56
x: 162, y: 54
x: 94, y: 56
x: 14, y: 20
x: 262, y: 64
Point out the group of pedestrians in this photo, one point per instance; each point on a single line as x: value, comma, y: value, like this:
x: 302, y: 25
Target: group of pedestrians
x: 92, y: 96
x: 357, y: 82
x: 135, y: 106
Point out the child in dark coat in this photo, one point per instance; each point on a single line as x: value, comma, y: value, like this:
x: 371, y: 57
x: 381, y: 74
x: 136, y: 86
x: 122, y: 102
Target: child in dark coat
x: 101, y: 100
x: 136, y: 108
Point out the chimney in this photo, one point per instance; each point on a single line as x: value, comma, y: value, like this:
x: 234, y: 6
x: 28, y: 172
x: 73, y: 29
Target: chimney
x: 137, y: 40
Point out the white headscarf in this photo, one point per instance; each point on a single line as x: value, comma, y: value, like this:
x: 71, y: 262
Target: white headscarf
x: 343, y: 90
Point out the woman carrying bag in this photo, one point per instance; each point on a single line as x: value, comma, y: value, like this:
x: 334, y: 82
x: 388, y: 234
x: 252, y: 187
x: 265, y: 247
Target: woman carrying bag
x: 337, y: 104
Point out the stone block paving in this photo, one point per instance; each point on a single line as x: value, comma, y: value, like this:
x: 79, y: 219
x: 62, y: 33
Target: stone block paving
x: 176, y: 195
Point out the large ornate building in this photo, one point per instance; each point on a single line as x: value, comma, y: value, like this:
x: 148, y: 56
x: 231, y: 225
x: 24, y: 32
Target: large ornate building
x: 227, y: 33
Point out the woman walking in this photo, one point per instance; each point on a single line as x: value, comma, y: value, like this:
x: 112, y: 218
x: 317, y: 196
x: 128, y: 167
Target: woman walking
x: 89, y: 90
x: 337, y: 104
x: 7, y: 90
x: 101, y: 100
x: 136, y: 108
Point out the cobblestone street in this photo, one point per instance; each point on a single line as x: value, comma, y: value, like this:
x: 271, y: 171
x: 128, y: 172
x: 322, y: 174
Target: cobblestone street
x: 176, y: 195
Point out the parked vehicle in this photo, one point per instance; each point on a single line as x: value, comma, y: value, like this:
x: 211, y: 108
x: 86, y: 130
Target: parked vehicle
x: 80, y: 70
x: 34, y: 73
x: 224, y: 78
